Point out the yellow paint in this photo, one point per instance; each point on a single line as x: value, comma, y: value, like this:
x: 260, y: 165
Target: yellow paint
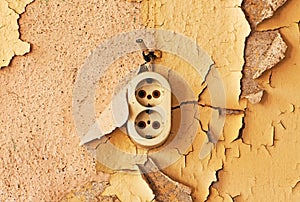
x: 18, y: 5
x: 284, y: 16
x: 264, y: 164
x: 129, y: 187
x: 270, y: 169
x: 267, y: 167
x: 220, y: 28
x: 10, y: 44
x: 91, y: 191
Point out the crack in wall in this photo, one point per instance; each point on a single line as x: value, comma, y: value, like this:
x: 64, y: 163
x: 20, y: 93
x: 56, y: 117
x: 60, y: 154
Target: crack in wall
x: 227, y: 111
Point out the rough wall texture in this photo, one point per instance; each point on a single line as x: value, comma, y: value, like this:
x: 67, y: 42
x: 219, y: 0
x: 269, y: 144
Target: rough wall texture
x: 255, y: 160
x: 40, y: 156
x: 258, y: 10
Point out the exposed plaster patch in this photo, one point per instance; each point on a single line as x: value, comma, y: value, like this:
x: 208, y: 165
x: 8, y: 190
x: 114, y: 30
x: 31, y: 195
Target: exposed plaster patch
x: 263, y: 51
x: 258, y: 10
x: 164, y: 188
x: 40, y: 156
x: 10, y: 44
x: 284, y: 16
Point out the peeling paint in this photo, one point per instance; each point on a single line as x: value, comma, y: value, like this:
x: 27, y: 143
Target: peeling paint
x: 89, y: 192
x: 268, y: 145
x: 10, y: 44
x: 18, y: 5
x: 224, y: 41
x: 263, y: 51
x: 129, y: 187
x: 283, y: 17
x: 258, y: 10
x: 259, y: 144
x: 164, y: 188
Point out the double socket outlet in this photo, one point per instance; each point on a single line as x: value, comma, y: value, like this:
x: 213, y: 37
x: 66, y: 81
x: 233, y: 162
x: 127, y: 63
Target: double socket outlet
x: 149, y: 100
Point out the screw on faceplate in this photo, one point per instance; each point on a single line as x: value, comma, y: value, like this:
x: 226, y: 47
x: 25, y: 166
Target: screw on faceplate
x: 148, y: 111
x: 142, y: 45
x: 149, y: 80
x: 147, y: 55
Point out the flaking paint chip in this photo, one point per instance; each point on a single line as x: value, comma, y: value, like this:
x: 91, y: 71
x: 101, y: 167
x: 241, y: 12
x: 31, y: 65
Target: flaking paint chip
x: 10, y: 44
x: 258, y: 10
x: 18, y: 5
x: 263, y: 51
x: 164, y: 188
x: 90, y: 191
x: 129, y: 187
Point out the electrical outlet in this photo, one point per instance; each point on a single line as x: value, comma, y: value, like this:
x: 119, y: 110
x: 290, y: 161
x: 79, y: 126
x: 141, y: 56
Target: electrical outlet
x: 148, y: 124
x: 149, y: 92
x: 149, y: 100
x: 144, y: 106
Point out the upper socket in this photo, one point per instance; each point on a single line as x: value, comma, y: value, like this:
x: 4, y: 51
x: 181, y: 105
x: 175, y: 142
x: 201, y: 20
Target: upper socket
x: 149, y: 92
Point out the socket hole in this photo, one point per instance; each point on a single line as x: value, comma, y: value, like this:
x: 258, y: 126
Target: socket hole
x: 141, y: 124
x: 142, y: 93
x: 148, y: 137
x: 156, y: 94
x: 156, y: 125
